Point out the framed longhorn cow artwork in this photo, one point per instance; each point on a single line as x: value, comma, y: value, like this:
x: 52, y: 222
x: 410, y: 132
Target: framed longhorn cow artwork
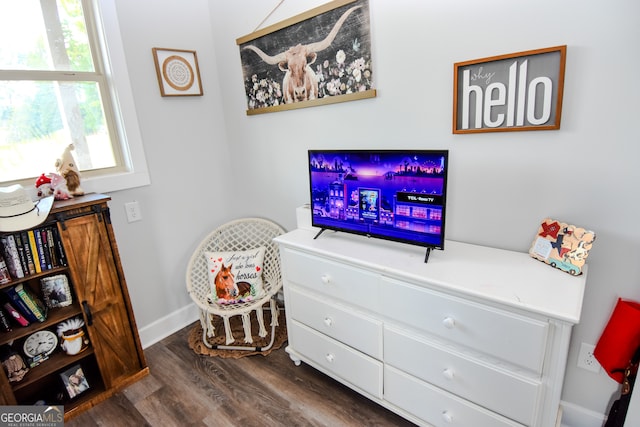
x: 322, y: 56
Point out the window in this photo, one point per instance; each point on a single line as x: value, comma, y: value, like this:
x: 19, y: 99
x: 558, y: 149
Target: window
x: 58, y: 86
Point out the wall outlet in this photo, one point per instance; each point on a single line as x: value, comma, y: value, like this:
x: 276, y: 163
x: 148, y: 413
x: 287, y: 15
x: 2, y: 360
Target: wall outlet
x: 133, y: 211
x: 586, y: 359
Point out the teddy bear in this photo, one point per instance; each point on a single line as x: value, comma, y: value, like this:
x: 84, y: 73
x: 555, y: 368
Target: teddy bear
x: 66, y: 167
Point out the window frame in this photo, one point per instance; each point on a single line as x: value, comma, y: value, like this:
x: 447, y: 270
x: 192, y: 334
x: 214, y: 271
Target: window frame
x: 118, y: 103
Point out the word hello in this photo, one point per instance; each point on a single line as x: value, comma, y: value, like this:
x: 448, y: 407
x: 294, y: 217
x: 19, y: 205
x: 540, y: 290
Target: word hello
x: 521, y: 100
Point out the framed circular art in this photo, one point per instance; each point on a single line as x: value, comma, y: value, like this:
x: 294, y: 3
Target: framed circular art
x: 178, y: 73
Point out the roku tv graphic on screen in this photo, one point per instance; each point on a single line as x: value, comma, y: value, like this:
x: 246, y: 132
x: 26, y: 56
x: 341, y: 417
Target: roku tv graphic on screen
x: 389, y: 194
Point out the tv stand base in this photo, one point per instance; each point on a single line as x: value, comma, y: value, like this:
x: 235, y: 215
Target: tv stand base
x: 426, y: 256
x: 319, y: 233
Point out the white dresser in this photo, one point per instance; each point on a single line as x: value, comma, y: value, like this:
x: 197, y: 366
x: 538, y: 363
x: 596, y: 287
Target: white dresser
x: 476, y: 337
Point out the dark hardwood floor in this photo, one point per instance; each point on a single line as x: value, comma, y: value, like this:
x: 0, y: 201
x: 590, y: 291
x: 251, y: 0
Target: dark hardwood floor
x: 188, y: 389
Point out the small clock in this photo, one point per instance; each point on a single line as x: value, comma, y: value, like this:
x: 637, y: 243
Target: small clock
x: 40, y: 342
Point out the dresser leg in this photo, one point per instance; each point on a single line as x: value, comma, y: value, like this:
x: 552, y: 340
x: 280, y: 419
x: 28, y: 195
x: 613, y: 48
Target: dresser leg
x: 292, y: 356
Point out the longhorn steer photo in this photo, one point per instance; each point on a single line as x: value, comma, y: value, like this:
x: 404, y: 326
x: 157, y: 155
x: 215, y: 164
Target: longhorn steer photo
x: 300, y: 82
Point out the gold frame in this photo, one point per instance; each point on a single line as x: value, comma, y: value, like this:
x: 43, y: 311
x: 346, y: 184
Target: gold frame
x: 185, y: 78
x: 513, y: 96
x: 268, y: 35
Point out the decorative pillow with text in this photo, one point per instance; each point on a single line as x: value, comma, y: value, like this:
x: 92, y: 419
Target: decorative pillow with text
x: 236, y: 277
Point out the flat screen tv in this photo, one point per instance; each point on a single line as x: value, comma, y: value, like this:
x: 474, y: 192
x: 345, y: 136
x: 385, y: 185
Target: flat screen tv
x: 396, y: 195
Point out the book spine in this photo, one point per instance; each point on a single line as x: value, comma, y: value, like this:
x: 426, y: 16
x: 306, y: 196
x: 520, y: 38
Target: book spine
x: 15, y: 315
x: 5, y: 325
x: 45, y: 248
x: 52, y: 248
x: 62, y: 258
x: 32, y: 303
x: 23, y: 258
x: 11, y: 257
x: 15, y: 300
x: 16, y: 256
x: 43, y: 261
x: 5, y: 277
x: 27, y: 252
x: 34, y: 251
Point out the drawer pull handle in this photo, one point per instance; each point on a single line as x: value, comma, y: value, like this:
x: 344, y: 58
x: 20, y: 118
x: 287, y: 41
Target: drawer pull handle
x: 448, y: 374
x: 330, y: 357
x: 447, y: 417
x: 449, y: 323
x: 326, y: 279
x: 328, y: 321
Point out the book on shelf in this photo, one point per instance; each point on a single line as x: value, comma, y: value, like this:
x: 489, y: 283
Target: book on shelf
x: 45, y: 248
x: 5, y: 277
x: 15, y: 314
x: 11, y: 257
x: 24, y: 238
x: 18, y: 303
x: 34, y: 250
x: 62, y: 258
x: 33, y: 302
x: 40, y: 249
x: 5, y: 323
x: 23, y: 258
x: 51, y: 247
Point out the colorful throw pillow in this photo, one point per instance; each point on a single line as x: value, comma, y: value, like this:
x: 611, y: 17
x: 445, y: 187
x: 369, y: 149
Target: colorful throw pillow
x: 562, y: 245
x: 236, y: 277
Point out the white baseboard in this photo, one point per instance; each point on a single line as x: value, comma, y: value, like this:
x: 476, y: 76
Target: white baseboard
x: 577, y: 416
x: 167, y: 325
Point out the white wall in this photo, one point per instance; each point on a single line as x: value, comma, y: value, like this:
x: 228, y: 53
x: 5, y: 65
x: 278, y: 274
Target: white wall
x: 187, y: 154
x: 210, y: 162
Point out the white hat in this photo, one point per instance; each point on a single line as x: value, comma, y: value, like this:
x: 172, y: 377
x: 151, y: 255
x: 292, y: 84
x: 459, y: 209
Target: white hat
x: 18, y: 211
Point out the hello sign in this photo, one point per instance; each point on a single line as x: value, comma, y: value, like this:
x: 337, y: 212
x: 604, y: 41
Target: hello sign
x: 519, y: 91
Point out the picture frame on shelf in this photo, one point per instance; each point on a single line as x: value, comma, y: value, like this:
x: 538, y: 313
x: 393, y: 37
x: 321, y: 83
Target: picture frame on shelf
x: 56, y: 291
x: 177, y: 71
x: 514, y: 92
x: 74, y: 381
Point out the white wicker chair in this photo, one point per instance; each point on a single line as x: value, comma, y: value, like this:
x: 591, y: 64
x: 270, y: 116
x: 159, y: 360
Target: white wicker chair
x: 238, y: 235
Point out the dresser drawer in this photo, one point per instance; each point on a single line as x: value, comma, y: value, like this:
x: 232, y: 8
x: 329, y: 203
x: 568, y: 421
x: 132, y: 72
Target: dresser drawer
x: 493, y: 388
x: 508, y: 336
x: 436, y: 406
x: 339, y: 322
x: 342, y: 361
x: 337, y: 281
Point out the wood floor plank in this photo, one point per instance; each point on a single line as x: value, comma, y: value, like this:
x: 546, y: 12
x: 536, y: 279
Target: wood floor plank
x: 141, y: 389
x: 184, y: 388
x: 115, y: 411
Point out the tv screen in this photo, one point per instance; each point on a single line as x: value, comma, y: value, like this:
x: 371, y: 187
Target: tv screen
x: 389, y: 194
